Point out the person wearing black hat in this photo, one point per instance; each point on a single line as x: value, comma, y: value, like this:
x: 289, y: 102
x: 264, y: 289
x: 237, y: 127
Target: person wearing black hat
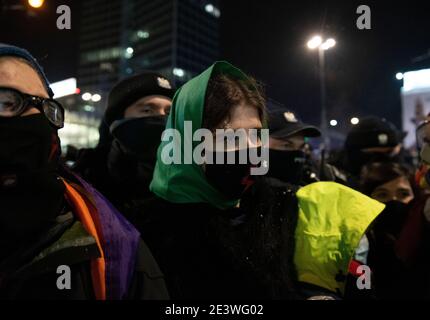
x: 289, y: 160
x: 123, y: 163
x: 59, y: 237
x: 372, y: 140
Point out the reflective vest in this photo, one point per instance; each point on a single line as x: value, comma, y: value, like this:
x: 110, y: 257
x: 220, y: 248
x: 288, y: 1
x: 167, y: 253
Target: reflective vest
x: 332, y: 219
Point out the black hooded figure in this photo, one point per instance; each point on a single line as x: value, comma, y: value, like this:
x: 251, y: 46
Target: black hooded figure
x: 122, y: 164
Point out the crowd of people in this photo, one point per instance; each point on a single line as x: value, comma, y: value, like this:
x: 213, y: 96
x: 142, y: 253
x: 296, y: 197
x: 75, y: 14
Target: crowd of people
x: 129, y: 225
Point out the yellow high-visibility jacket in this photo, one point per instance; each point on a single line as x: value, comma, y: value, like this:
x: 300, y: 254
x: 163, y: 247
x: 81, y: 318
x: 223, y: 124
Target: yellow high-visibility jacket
x: 332, y: 219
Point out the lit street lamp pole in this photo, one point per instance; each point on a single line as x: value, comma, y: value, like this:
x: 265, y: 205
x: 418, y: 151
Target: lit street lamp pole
x: 318, y: 43
x: 324, y: 120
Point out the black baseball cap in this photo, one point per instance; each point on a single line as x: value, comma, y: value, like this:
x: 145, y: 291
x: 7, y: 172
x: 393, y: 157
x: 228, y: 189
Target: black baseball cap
x: 373, y: 132
x: 285, y: 123
x: 130, y: 90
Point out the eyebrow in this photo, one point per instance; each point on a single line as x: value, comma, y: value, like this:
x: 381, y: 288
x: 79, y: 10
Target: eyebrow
x: 379, y: 189
x: 252, y: 128
x: 404, y: 189
x: 146, y: 104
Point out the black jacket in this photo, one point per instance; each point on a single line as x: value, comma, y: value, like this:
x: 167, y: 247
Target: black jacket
x: 193, y: 245
x: 124, y: 191
x: 31, y: 272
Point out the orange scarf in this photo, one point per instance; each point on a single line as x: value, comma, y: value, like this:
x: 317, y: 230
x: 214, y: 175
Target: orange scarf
x: 85, y: 212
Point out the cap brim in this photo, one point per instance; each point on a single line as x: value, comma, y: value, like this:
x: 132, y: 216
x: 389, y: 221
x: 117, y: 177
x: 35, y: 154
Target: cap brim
x: 306, y: 130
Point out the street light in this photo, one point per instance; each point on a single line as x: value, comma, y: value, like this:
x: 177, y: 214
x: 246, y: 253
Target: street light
x: 329, y: 43
x: 36, y: 3
x: 87, y: 96
x: 129, y: 53
x: 20, y: 6
x: 317, y: 42
x: 355, y: 121
x: 96, y: 97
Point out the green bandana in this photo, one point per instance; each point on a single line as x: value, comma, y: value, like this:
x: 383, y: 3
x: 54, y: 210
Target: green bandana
x: 186, y: 183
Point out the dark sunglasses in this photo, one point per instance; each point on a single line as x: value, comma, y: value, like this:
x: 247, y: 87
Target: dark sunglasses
x: 13, y: 103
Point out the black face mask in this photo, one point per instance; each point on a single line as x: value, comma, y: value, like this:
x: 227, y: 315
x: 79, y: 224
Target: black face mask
x: 358, y: 159
x: 134, y: 151
x: 287, y: 166
x: 392, y: 219
x: 232, y: 180
x: 31, y: 195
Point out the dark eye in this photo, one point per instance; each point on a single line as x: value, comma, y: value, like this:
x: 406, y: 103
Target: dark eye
x: 146, y: 110
x: 6, y: 104
x: 9, y: 103
x: 288, y: 143
x: 404, y: 194
x: 380, y: 196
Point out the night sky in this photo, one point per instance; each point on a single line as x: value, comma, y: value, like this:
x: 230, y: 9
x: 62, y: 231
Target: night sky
x: 268, y: 40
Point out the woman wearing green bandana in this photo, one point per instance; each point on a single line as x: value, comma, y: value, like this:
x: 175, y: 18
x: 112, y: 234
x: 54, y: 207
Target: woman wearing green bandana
x: 208, y: 246
x: 186, y: 222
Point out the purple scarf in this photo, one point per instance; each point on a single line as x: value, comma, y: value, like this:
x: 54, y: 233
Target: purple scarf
x: 119, y: 241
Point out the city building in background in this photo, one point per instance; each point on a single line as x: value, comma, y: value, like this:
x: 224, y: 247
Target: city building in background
x: 81, y: 126
x: 415, y: 101
x: 119, y: 38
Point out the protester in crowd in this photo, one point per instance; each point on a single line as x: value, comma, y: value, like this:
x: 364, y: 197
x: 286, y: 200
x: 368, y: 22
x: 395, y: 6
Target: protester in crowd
x: 186, y: 222
x: 289, y: 225
x: 372, y: 140
x: 397, y: 240
x: 123, y: 163
x: 59, y: 238
x: 387, y: 182
x: 290, y: 157
x: 210, y: 246
x: 289, y: 160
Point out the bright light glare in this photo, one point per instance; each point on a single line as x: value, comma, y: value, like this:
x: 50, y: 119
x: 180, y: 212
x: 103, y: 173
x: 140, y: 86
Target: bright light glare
x: 96, y: 98
x: 329, y: 43
x: 143, y: 34
x: 333, y: 123
x: 86, y: 96
x: 178, y: 72
x: 36, y: 3
x: 129, y: 53
x: 209, y: 8
x: 315, y: 42
x: 355, y: 121
x: 399, y: 76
